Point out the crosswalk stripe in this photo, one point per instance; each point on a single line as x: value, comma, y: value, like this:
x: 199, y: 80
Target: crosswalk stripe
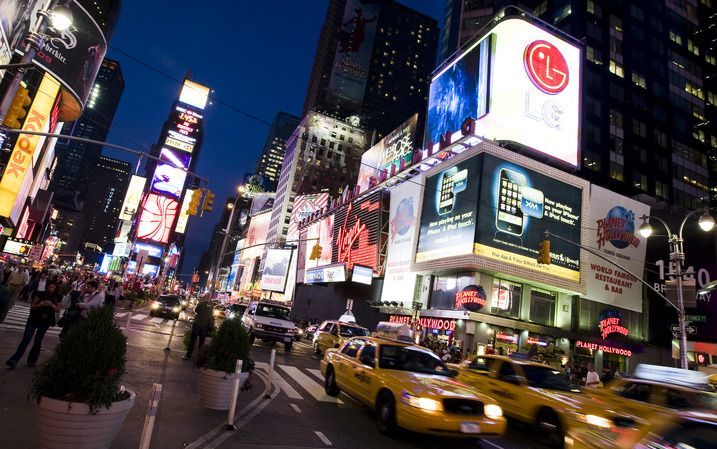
x: 313, y: 388
x: 316, y: 372
x: 121, y: 314
x: 157, y: 320
x: 139, y: 316
x: 277, y: 379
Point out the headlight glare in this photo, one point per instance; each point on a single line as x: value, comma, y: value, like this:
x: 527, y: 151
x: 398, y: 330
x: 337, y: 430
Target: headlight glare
x: 422, y: 403
x: 175, y: 309
x: 493, y: 411
x: 258, y: 326
x: 598, y: 421
x: 155, y: 305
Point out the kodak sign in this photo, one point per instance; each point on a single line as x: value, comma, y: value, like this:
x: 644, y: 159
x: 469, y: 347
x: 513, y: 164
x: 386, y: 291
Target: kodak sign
x: 22, y: 154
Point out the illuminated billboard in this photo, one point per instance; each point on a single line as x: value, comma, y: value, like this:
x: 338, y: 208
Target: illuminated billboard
x: 389, y: 156
x: 180, y: 142
x: 183, y: 213
x: 304, y: 206
x: 168, y: 179
x: 518, y: 84
x: 151, y: 250
x: 157, y: 217
x: 356, y: 233
x: 276, y: 269
x: 320, y: 232
x: 194, y: 94
x: 123, y: 230
x: 177, y: 159
x: 133, y: 197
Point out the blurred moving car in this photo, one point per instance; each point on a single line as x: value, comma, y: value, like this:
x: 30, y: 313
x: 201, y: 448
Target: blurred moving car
x: 409, y: 387
x: 298, y: 333
x: 310, y: 332
x: 219, y: 311
x: 166, y: 305
x: 540, y: 395
x: 235, y: 311
x: 184, y: 302
x: 332, y: 334
x: 269, y: 322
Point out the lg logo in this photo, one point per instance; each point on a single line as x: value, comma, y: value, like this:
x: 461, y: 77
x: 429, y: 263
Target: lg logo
x: 546, y: 67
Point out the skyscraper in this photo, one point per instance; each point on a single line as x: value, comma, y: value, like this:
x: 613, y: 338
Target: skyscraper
x: 269, y: 163
x: 76, y: 160
x: 373, y: 62
x: 647, y: 96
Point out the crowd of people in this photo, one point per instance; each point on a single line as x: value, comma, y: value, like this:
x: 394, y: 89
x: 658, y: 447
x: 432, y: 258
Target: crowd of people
x: 49, y: 290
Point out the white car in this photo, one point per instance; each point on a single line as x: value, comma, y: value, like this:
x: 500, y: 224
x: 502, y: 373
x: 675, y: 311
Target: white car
x: 269, y: 322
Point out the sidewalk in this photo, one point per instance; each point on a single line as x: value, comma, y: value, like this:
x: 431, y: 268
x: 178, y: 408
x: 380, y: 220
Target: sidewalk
x: 180, y: 419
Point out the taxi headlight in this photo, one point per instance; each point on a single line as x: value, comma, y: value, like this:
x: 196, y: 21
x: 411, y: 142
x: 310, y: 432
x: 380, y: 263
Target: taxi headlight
x: 215, y: 313
x: 422, y: 403
x: 155, y: 305
x: 493, y: 411
x: 258, y: 326
x: 175, y: 309
x: 598, y: 421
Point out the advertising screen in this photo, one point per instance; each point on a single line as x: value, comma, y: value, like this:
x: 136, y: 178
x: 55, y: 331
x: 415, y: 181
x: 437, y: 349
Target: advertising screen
x: 179, y: 159
x: 122, y: 249
x: 194, y: 94
x: 357, y: 233
x: 276, y: 269
x: 399, y: 282
x: 320, y: 232
x: 152, y: 250
x: 613, y: 225
x: 517, y: 206
x: 448, y: 217
x: 124, y: 227
x: 519, y: 84
x: 168, y: 179
x: 180, y: 142
x: 132, y: 198
x: 147, y: 268
x: 304, y: 205
x: 353, y: 53
x: 183, y: 218
x: 157, y: 218
x: 389, y: 156
x: 362, y: 275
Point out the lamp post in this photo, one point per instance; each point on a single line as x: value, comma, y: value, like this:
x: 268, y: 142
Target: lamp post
x: 232, y: 208
x: 55, y: 11
x: 677, y: 255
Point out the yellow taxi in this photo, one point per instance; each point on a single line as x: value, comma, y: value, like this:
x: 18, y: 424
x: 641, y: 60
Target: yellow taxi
x: 409, y: 387
x: 540, y: 395
x: 333, y: 333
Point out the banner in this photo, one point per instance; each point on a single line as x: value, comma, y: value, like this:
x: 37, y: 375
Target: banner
x: 389, y: 156
x: 614, y: 221
x: 276, y: 268
x: 132, y: 198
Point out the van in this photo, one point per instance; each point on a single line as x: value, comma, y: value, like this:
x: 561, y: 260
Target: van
x: 269, y: 322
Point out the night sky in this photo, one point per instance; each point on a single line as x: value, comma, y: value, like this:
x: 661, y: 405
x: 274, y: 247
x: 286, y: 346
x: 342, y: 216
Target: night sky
x: 256, y: 55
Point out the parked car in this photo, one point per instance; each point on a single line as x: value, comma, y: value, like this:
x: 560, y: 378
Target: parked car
x: 166, y: 305
x: 235, y: 311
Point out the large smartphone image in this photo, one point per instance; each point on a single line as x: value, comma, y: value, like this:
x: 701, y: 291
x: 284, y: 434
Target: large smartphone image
x: 446, y: 196
x: 510, y: 195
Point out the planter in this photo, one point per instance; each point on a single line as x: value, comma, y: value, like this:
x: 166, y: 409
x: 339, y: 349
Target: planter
x: 69, y: 425
x: 215, y: 388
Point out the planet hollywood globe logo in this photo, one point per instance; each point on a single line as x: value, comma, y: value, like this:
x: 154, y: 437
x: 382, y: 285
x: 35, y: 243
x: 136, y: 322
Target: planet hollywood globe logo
x: 404, y: 219
x: 618, y: 228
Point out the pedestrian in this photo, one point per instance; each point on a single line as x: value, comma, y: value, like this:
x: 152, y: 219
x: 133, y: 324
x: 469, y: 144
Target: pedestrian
x: 40, y: 283
x: 4, y: 302
x: 113, y: 294
x: 7, y: 269
x: 16, y: 282
x: 592, y: 379
x: 203, y: 316
x: 94, y: 297
x: 42, y: 316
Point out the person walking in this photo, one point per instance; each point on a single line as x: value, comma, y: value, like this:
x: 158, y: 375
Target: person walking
x: 592, y: 379
x: 203, y: 315
x: 16, y: 282
x: 42, y: 316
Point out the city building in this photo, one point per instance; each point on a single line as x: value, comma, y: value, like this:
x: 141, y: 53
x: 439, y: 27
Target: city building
x: 373, y: 62
x: 272, y: 155
x: 648, y: 93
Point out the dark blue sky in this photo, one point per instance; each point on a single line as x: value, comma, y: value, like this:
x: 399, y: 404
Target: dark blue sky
x: 257, y: 57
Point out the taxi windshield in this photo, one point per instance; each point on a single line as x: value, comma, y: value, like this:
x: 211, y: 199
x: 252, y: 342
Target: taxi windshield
x: 404, y: 358
x: 352, y: 331
x: 271, y: 311
x: 548, y: 378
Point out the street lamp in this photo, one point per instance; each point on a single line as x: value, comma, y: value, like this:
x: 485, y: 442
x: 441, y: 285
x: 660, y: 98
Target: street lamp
x: 60, y: 19
x: 220, y: 257
x: 677, y: 255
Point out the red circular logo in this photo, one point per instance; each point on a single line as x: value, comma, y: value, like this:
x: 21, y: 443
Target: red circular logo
x: 546, y: 67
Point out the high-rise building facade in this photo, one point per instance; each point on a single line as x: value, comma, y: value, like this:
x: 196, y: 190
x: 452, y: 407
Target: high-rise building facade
x: 269, y: 163
x: 648, y: 92
x: 107, y: 187
x: 76, y: 160
x: 373, y: 62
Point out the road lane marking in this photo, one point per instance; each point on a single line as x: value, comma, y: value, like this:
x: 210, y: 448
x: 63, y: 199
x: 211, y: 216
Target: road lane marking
x: 491, y: 443
x: 139, y: 316
x: 296, y: 408
x: 157, y: 320
x: 278, y: 380
x: 316, y: 372
x: 120, y: 314
x: 323, y: 438
x: 311, y: 387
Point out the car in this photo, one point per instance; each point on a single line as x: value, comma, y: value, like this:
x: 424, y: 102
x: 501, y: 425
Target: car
x: 298, y: 333
x: 184, y: 302
x: 539, y: 394
x: 409, y: 387
x: 269, y: 322
x: 166, y: 305
x: 694, y: 430
x: 310, y: 332
x: 219, y: 311
x: 235, y: 311
x: 332, y: 334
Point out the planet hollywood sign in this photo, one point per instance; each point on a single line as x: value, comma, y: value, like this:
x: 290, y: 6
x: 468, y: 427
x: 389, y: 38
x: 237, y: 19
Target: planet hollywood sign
x: 426, y: 322
x: 604, y: 348
x: 611, y: 323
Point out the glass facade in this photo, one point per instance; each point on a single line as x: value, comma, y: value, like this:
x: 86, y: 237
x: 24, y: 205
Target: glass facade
x: 506, y: 298
x: 542, y: 307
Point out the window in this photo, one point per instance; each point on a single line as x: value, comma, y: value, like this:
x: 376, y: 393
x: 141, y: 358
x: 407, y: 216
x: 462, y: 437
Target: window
x: 445, y: 288
x: 639, y: 181
x: 639, y: 80
x: 353, y: 348
x: 692, y: 47
x: 617, y: 170
x: 368, y: 355
x: 592, y: 161
x: 507, y: 372
x: 506, y: 298
x: 616, y: 69
x: 676, y: 38
x: 563, y: 12
x: 542, y: 307
x: 639, y: 128
x: 636, y: 392
x: 660, y: 138
x: 593, y: 55
x: 616, y: 124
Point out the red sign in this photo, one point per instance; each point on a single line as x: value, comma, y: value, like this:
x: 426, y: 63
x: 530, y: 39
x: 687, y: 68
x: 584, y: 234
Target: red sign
x: 604, y: 348
x: 426, y: 322
x: 611, y: 325
x: 546, y: 67
x: 511, y: 338
x: 472, y: 298
x: 157, y: 218
x: 356, y: 233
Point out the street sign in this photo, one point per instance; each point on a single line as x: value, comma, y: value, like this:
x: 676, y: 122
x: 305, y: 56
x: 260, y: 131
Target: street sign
x: 690, y: 330
x: 696, y: 318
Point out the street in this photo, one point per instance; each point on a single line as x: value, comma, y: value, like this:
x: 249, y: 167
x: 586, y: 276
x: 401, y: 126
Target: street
x: 297, y: 415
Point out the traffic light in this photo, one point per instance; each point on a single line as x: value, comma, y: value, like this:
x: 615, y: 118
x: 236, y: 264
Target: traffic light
x: 17, y: 109
x: 544, y: 252
x: 194, y: 202
x: 315, y: 252
x: 208, y: 203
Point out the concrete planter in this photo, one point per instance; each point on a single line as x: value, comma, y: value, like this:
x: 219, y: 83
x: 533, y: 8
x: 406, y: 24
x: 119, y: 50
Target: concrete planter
x: 69, y: 425
x: 215, y: 388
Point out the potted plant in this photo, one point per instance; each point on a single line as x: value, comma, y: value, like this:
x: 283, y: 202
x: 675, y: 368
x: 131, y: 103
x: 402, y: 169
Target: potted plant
x: 216, y: 365
x: 81, y: 403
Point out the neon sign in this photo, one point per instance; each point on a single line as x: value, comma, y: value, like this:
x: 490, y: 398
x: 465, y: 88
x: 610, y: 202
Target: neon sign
x: 347, y: 236
x: 428, y: 323
x: 611, y: 323
x: 356, y: 233
x: 604, y: 348
x: 472, y: 298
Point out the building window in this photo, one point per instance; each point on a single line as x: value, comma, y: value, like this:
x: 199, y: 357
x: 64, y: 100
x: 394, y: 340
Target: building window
x: 506, y: 298
x: 541, y: 8
x: 616, y: 69
x: 542, y: 307
x: 563, y: 12
x: 639, y: 128
x: 676, y: 38
x: 592, y: 161
x: 445, y: 288
x: 692, y: 47
x: 617, y: 171
x: 593, y: 55
x: 661, y: 190
x: 640, y: 181
x: 639, y: 80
